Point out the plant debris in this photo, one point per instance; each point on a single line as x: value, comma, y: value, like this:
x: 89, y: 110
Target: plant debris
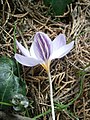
x: 31, y: 17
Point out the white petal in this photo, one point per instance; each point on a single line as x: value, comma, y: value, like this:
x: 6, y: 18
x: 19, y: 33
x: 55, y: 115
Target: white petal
x: 23, y: 49
x: 62, y: 51
x: 27, y: 61
x: 59, y: 41
x: 32, y: 53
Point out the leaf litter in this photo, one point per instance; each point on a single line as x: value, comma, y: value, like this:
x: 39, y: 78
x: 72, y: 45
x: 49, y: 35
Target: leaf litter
x: 66, y: 73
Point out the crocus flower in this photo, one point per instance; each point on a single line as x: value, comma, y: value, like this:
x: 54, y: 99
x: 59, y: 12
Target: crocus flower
x: 43, y: 50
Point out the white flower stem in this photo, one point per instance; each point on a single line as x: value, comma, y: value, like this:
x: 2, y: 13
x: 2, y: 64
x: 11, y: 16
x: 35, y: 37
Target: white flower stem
x: 51, y: 95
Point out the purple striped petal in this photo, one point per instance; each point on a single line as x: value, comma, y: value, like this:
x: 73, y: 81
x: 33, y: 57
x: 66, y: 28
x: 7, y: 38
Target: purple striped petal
x: 42, y: 46
x: 27, y: 61
x: 58, y: 42
x: 62, y: 51
x: 23, y: 49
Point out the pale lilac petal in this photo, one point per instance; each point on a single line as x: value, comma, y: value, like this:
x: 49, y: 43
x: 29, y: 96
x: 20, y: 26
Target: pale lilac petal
x: 62, y: 51
x: 27, y: 61
x: 58, y: 42
x: 23, y: 49
x: 42, y: 46
x: 32, y: 53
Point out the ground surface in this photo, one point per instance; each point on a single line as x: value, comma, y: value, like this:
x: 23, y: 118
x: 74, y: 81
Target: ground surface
x: 67, y: 72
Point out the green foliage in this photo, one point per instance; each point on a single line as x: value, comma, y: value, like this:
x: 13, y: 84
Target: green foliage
x: 58, y: 6
x: 47, y: 2
x: 10, y: 84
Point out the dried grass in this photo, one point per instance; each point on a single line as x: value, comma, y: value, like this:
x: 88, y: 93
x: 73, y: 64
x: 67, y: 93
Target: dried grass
x: 30, y: 18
